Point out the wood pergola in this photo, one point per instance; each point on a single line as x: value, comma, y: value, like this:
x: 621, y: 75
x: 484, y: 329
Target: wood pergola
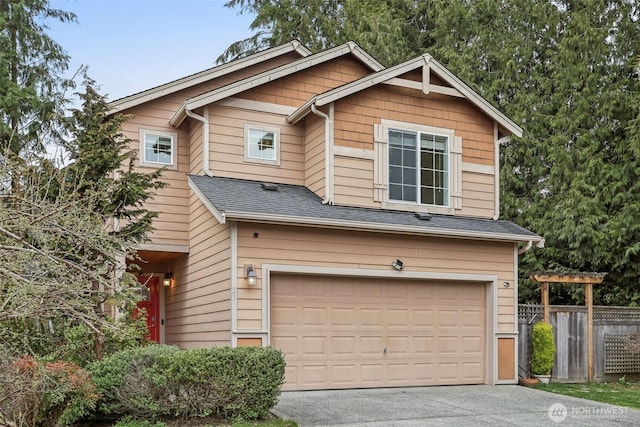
x: 586, y: 279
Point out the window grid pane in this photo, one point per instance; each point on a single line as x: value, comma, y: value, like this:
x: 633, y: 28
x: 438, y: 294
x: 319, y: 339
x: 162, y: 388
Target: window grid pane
x: 402, y: 166
x: 434, y: 162
x: 428, y: 171
x: 158, y: 149
x: 262, y: 144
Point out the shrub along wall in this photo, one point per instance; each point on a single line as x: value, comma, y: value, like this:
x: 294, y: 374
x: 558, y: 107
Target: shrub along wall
x: 164, y: 381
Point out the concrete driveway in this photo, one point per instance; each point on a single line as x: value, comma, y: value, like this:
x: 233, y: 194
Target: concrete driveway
x: 480, y: 405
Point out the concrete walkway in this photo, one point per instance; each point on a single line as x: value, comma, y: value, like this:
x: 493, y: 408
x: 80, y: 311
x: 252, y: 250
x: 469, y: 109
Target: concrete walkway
x: 460, y: 406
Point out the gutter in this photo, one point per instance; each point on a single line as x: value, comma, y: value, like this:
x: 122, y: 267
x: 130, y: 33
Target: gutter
x: 328, y: 152
x: 205, y: 137
x: 377, y: 227
x: 496, y: 173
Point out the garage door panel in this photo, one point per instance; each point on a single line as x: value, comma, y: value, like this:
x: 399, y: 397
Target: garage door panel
x: 313, y: 317
x: 472, y: 345
x: 423, y: 345
x: 343, y: 317
x: 343, y: 346
x: 447, y: 319
x: 371, y: 345
x: 424, y: 318
x: 371, y: 317
x: 282, y: 316
x: 338, y: 340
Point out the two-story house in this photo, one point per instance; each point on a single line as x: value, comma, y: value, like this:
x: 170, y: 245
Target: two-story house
x: 340, y: 211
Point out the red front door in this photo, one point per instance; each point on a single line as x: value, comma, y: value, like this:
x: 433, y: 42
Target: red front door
x: 150, y: 302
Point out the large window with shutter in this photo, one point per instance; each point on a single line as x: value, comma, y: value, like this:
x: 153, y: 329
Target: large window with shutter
x: 418, y: 167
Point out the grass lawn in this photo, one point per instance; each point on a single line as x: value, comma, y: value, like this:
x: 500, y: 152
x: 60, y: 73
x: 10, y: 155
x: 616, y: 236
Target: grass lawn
x: 619, y: 393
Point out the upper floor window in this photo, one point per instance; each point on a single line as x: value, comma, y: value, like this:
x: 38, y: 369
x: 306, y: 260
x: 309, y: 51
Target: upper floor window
x: 158, y: 148
x: 262, y: 144
x: 418, y: 167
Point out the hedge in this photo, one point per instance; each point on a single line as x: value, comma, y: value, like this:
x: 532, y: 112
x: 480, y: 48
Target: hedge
x: 164, y: 381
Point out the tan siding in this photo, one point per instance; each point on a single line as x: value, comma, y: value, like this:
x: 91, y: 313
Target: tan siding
x: 198, y: 307
x: 356, y: 115
x: 354, y: 182
x: 173, y: 201
x: 295, y: 89
x: 343, y: 249
x: 195, y: 148
x: 227, y: 146
x: 314, y: 152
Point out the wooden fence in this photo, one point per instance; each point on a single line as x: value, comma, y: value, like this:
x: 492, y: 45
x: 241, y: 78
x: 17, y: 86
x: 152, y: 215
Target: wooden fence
x: 613, y: 328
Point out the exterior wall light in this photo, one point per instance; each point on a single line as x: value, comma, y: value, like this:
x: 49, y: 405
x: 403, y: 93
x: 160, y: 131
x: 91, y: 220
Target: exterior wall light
x: 398, y: 265
x: 252, y: 277
x: 167, y: 280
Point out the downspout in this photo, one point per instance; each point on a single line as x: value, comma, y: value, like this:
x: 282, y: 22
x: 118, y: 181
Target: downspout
x: 328, y: 152
x: 496, y: 162
x: 205, y: 137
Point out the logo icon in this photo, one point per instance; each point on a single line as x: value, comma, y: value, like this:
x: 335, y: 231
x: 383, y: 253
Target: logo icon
x: 557, y: 412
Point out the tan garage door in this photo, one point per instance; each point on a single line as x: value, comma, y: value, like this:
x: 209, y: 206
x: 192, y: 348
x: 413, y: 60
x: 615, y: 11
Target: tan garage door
x: 362, y: 332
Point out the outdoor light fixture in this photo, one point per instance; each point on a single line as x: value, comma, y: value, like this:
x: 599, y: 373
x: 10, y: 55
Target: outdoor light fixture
x: 252, y: 277
x: 168, y: 278
x: 398, y: 265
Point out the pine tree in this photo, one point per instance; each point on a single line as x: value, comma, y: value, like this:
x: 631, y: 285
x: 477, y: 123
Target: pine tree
x: 562, y: 70
x: 32, y: 90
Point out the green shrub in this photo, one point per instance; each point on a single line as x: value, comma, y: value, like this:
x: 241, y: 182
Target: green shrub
x: 129, y: 421
x: 35, y: 393
x: 159, y: 380
x: 543, y: 348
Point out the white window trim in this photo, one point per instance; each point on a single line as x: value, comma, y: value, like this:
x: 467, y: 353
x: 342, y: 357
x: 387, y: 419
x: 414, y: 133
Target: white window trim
x: 276, y: 136
x: 174, y: 148
x: 381, y: 168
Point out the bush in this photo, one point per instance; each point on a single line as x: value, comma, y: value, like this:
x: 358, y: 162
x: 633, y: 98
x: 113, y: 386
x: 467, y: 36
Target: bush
x: 160, y: 381
x: 543, y: 348
x: 129, y: 421
x: 35, y: 393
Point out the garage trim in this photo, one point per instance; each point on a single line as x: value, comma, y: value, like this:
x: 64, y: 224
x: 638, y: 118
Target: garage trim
x: 487, y: 279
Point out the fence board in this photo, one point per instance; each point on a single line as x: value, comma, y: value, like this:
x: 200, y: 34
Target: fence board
x: 570, y: 329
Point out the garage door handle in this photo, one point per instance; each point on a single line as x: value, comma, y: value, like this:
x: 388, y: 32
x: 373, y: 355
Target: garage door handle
x: 385, y: 350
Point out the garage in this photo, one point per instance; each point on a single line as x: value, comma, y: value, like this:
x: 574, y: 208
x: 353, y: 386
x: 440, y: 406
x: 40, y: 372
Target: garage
x: 352, y: 332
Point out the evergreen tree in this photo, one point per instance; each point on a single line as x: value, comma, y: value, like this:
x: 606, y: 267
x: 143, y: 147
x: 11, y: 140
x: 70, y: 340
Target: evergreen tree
x: 32, y: 90
x: 563, y: 70
x: 102, y: 159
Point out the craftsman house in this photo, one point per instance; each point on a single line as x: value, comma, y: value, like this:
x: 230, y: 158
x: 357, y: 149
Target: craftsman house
x: 340, y: 211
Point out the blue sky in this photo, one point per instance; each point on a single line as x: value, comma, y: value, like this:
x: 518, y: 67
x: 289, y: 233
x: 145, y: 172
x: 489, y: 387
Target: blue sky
x: 133, y: 45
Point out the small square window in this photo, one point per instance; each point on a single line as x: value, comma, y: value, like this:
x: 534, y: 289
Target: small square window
x: 261, y: 145
x: 158, y: 148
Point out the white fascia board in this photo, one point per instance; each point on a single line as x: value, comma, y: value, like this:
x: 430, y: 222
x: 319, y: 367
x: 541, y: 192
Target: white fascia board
x: 368, y: 81
x: 387, y: 75
x: 206, y: 75
x: 271, y: 75
x: 377, y: 227
x: 363, y: 56
x: 301, y: 111
x: 350, y: 88
x: 266, y: 77
x: 220, y: 216
x: 472, y: 96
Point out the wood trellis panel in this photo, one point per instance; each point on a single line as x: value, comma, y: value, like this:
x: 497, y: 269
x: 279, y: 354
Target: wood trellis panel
x: 570, y: 328
x: 617, y: 358
x: 616, y: 315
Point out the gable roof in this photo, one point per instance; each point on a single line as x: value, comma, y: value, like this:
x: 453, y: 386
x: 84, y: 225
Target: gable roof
x: 207, y: 75
x: 458, y: 88
x: 271, y: 75
x: 245, y: 200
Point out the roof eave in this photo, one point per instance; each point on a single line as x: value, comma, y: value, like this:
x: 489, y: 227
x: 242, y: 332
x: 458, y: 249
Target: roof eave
x: 386, y: 74
x: 378, y: 227
x: 206, y: 75
x: 270, y: 75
